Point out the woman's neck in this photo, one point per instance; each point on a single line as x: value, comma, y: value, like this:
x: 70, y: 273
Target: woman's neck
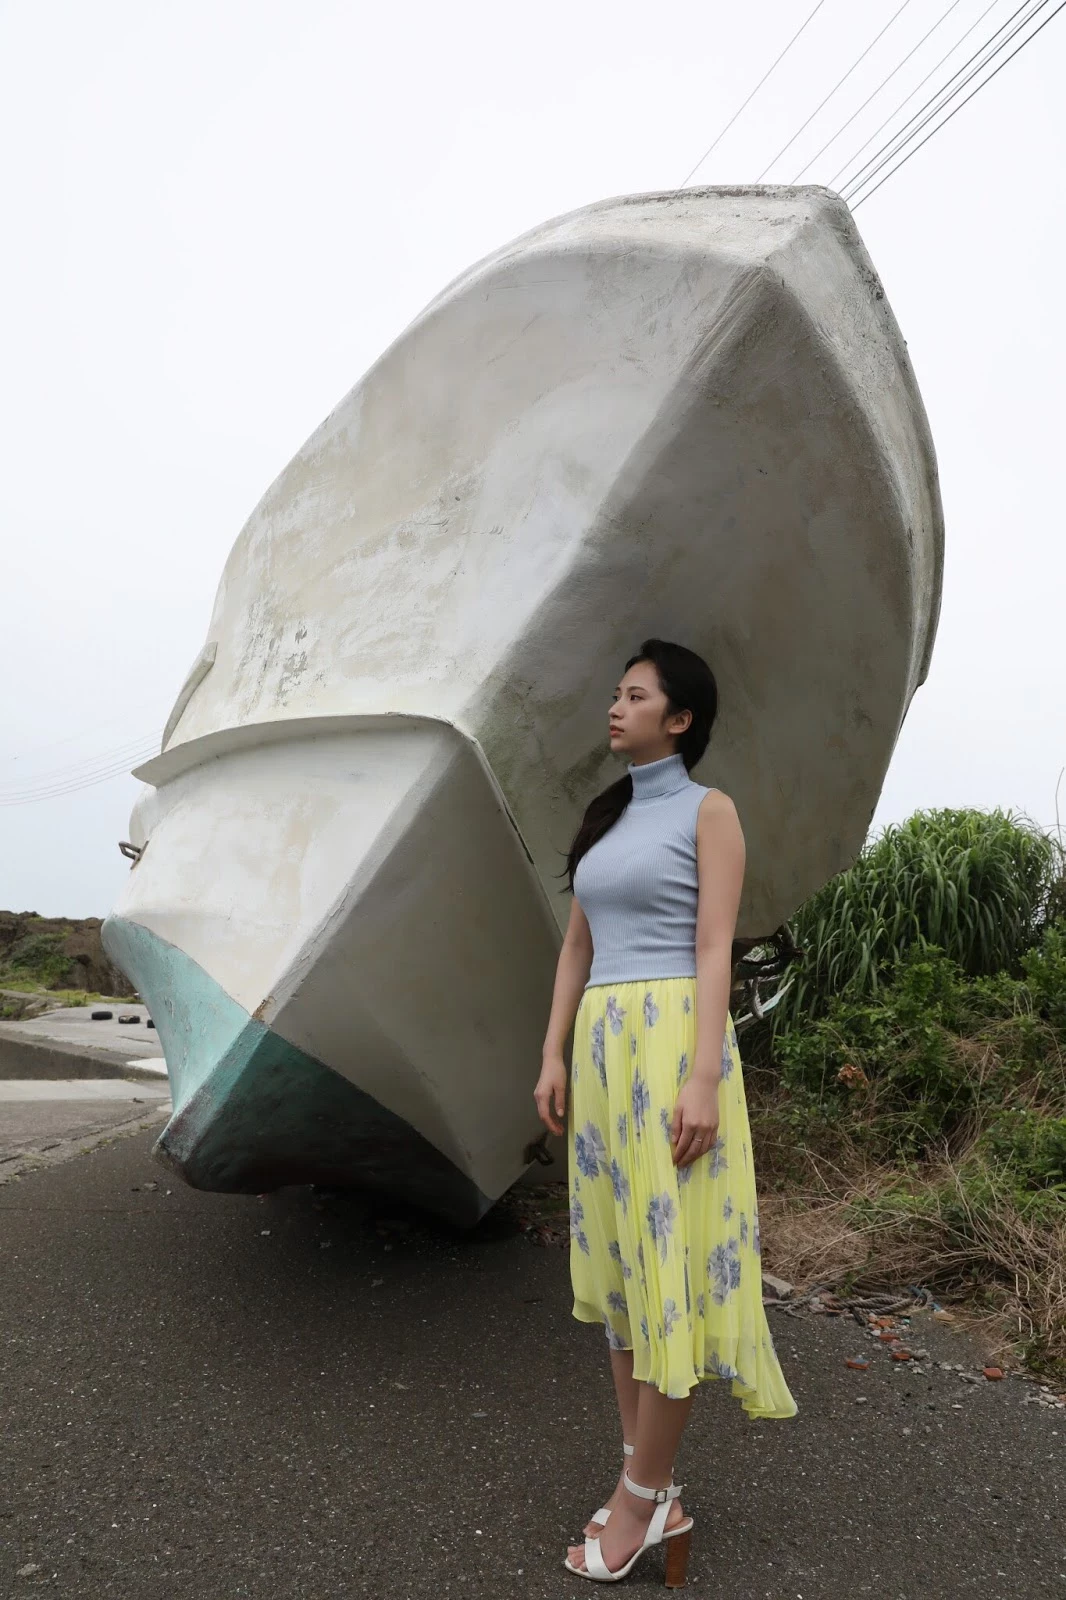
x: 654, y: 779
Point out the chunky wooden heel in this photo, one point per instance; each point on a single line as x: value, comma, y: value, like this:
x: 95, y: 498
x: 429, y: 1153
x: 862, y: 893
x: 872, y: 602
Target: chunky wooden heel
x: 677, y: 1559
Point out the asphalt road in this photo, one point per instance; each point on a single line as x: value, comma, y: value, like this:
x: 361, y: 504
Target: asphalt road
x: 205, y: 1397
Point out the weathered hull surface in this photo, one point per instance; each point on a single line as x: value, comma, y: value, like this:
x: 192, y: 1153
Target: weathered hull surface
x: 686, y: 415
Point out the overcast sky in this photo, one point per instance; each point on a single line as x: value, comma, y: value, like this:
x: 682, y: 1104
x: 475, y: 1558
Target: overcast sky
x: 217, y: 215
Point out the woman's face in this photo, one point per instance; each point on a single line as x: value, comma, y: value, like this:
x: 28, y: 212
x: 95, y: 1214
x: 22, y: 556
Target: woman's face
x: 641, y: 726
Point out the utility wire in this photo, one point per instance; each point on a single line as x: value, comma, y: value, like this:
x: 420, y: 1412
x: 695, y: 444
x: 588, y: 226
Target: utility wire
x: 833, y: 91
x: 899, y: 141
x: 898, y: 67
x: 83, y: 733
x: 931, y: 73
x: 78, y: 769
x: 99, y: 774
x: 969, y: 97
x: 119, y: 771
x: 716, y: 142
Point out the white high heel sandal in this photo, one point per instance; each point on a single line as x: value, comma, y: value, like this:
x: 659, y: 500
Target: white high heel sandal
x: 676, y: 1556
x: 604, y: 1512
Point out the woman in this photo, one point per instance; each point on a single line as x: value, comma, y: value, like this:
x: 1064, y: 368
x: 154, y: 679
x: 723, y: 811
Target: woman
x: 664, y: 1222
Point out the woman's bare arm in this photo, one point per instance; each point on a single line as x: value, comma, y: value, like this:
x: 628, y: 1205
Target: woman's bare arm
x: 720, y: 857
x: 720, y: 866
x: 571, y: 975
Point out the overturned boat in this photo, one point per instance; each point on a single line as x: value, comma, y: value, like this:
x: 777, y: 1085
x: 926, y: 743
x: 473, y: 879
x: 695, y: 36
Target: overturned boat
x: 689, y: 415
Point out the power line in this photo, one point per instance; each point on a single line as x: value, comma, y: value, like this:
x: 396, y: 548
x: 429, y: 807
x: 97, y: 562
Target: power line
x: 921, y: 85
x: 944, y: 95
x: 897, y: 68
x: 899, y: 141
x: 85, y: 767
x: 833, y: 91
x: 969, y: 97
x: 120, y: 771
x: 83, y: 733
x: 50, y: 791
x: 716, y: 142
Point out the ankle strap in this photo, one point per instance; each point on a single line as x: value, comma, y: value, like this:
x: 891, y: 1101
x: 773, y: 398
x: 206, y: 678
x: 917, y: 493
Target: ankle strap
x: 658, y: 1495
x: 627, y: 1449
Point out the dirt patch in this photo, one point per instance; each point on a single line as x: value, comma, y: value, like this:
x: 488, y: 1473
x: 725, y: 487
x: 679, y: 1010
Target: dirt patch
x: 58, y: 953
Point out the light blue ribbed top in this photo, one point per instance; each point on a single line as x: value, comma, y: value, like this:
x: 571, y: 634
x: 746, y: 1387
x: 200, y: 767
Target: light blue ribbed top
x: 638, y: 886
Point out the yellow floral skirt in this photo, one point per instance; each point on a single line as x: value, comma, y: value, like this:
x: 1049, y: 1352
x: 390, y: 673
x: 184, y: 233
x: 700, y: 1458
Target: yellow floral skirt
x: 666, y: 1259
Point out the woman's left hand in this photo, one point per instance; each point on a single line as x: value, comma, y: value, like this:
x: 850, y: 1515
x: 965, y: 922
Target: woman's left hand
x: 695, y: 1122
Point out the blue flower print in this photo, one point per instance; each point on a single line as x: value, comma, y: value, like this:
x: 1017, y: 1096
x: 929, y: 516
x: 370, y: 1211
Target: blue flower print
x: 701, y: 1305
x: 671, y: 1316
x: 623, y: 1130
x: 662, y: 1214
x: 722, y: 1368
x: 727, y: 1058
x: 756, y: 1242
x: 615, y: 1340
x: 651, y: 1011
x: 583, y: 1242
x: 632, y: 1044
x: 723, y: 1266
x: 616, y: 1301
x: 644, y: 1329
x: 686, y: 1005
x: 590, y: 1150
x: 598, y: 1056
x: 688, y: 1292
x: 614, y: 1250
x: 665, y: 1120
x: 717, y: 1159
x: 620, y: 1184
x: 615, y: 1013
x: 743, y: 1229
x: 682, y: 1067
x: 641, y: 1102
x: 577, y: 1215
x: 684, y: 1174
x: 727, y: 1207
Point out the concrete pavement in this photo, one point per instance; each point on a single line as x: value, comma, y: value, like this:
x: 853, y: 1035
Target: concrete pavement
x: 66, y: 1043
x: 205, y: 1397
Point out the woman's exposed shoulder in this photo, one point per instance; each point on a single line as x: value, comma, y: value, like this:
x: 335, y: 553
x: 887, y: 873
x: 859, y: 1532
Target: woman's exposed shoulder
x: 714, y: 809
x: 716, y: 800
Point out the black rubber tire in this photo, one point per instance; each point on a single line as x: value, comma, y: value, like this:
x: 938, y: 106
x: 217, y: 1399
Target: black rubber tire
x: 101, y: 1016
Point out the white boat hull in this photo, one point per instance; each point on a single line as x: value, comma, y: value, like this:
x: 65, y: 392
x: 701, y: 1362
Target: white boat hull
x: 687, y: 415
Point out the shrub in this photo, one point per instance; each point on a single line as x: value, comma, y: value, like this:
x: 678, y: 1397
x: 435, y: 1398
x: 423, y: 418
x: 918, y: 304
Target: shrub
x: 39, y: 956
x: 979, y: 886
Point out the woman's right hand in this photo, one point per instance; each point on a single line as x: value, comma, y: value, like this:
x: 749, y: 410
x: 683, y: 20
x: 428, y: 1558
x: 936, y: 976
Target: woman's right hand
x: 550, y: 1094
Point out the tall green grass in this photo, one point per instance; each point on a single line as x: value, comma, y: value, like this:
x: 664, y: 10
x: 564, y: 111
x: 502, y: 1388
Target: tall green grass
x: 975, y: 884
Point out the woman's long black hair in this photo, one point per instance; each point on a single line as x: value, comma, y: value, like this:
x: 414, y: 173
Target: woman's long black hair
x: 688, y: 684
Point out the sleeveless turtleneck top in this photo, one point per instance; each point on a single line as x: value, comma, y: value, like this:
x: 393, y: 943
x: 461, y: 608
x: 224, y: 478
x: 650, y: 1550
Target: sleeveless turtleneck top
x: 638, y: 886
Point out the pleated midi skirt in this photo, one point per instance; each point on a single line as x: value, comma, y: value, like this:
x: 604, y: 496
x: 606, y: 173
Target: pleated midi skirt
x: 667, y: 1259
